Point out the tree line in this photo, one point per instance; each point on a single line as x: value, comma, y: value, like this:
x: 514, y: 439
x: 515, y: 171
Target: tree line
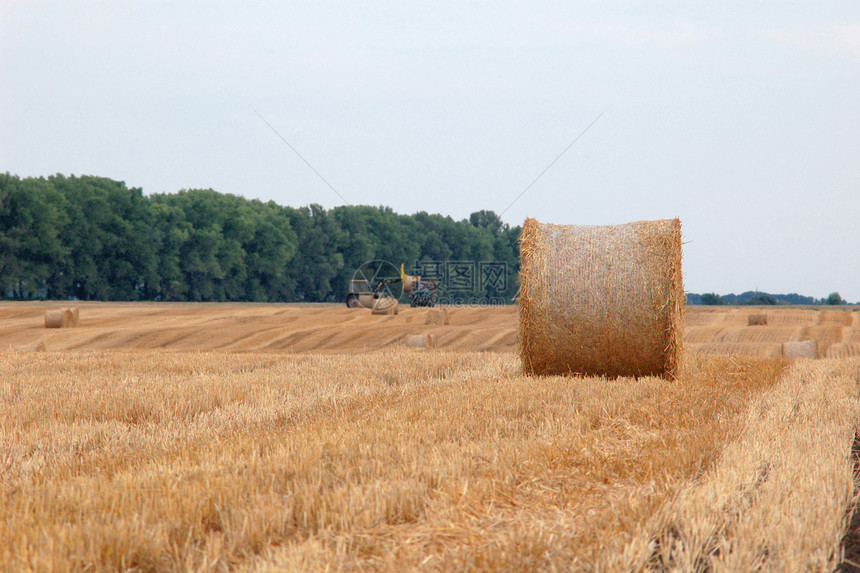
x: 94, y: 238
x: 762, y: 298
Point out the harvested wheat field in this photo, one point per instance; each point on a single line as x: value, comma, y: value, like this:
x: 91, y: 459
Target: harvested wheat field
x: 335, y: 329
x: 291, y: 328
x: 725, y: 330
x: 240, y: 437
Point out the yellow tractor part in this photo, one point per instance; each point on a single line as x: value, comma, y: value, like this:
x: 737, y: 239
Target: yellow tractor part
x: 407, y: 280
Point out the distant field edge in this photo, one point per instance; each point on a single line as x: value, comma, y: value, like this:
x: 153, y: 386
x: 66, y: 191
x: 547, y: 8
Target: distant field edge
x: 175, y: 304
x: 850, y: 307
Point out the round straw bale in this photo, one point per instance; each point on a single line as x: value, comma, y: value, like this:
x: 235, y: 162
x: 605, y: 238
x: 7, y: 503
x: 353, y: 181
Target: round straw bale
x: 436, y: 316
x: 54, y: 319
x: 58, y: 318
x: 601, y: 300
x: 420, y: 340
x: 415, y: 340
x: 384, y: 305
x: 802, y: 349
x: 757, y: 319
x: 76, y: 315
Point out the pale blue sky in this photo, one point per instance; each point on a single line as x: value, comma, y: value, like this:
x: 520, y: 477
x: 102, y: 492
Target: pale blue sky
x: 741, y: 118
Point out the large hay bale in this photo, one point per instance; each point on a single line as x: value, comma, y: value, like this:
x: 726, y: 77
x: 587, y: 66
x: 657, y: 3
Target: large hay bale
x: 757, y: 319
x: 436, y: 317
x: 801, y: 349
x: 59, y: 318
x: 384, y: 305
x: 601, y: 300
x: 76, y: 315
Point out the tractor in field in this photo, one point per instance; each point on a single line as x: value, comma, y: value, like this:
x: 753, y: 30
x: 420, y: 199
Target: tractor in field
x: 369, y: 291
x: 420, y: 292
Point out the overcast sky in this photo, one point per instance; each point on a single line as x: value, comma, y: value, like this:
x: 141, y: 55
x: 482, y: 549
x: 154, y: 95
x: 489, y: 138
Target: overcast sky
x: 741, y: 118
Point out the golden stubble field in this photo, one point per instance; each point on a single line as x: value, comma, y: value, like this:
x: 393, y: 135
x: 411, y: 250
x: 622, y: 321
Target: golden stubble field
x: 335, y: 329
x: 206, y: 438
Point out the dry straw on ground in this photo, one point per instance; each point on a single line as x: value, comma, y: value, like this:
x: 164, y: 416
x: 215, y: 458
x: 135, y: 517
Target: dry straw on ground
x: 801, y: 349
x: 757, y: 319
x: 436, y: 316
x: 778, y: 497
x: 601, y: 300
x: 397, y: 460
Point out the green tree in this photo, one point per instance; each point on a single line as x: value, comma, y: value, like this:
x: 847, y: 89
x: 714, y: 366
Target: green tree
x: 504, y: 252
x: 113, y: 255
x: 488, y: 220
x: 32, y: 215
x: 711, y: 298
x: 428, y: 232
x: 761, y: 299
x: 320, y: 259
x: 206, y: 244
x: 269, y: 250
x: 9, y: 261
x: 834, y: 298
x: 94, y: 238
x: 171, y: 231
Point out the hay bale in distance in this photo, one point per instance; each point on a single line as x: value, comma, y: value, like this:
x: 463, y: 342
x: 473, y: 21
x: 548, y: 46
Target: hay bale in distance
x: 59, y: 318
x: 801, y: 349
x: 54, y: 319
x: 76, y: 315
x: 420, y: 340
x: 601, y: 300
x: 384, y: 305
x: 63, y: 318
x: 757, y: 319
x: 436, y: 317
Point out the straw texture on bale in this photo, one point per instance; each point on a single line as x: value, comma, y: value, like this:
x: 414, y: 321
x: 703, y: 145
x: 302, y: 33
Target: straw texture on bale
x: 76, y: 315
x: 601, y: 300
x: 802, y: 349
x: 758, y: 319
x: 59, y: 318
x: 436, y: 317
x: 384, y: 305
